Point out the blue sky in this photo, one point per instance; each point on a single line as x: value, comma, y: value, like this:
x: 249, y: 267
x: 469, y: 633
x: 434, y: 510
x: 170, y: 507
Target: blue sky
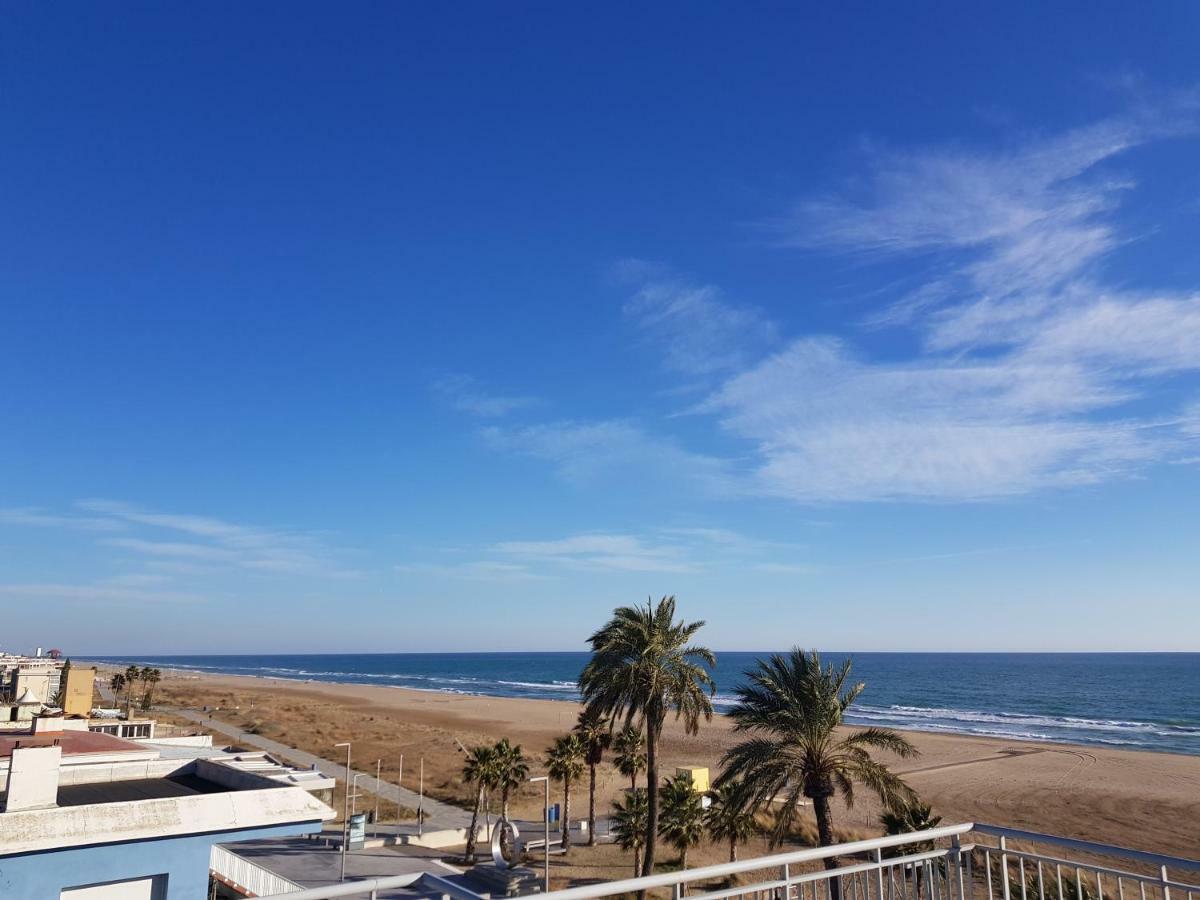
x: 400, y: 327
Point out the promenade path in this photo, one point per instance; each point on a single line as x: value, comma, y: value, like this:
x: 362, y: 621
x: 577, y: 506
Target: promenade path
x: 438, y: 815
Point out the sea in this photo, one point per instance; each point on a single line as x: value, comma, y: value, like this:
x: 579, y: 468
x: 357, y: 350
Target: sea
x: 1140, y: 701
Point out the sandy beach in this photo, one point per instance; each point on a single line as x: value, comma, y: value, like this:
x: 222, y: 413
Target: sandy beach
x: 1143, y: 800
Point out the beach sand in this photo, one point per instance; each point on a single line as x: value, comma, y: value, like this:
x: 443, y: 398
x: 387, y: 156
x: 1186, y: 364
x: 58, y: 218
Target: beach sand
x: 1143, y: 800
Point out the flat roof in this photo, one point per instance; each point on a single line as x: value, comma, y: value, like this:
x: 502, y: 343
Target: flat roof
x: 72, y: 742
x: 135, y: 789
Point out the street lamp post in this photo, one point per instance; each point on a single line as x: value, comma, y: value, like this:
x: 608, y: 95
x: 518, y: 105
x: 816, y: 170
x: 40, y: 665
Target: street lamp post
x: 345, y: 810
x: 378, y: 764
x: 545, y: 779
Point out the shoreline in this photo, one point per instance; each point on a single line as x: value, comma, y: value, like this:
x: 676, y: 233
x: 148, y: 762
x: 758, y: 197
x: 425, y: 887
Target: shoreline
x: 1039, y: 741
x: 1134, y: 798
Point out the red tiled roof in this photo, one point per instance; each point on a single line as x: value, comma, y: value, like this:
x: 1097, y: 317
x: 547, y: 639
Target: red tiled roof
x: 72, y: 742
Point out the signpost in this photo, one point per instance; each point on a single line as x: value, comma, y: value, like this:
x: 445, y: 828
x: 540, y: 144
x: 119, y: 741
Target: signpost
x: 357, y: 838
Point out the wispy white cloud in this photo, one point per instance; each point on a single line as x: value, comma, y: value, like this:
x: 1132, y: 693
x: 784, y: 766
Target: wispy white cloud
x: 1032, y: 374
x: 477, y: 570
x: 95, y: 594
x: 210, y: 544
x: 621, y: 552
x: 693, y: 328
x: 465, y: 394
x: 587, y: 451
x: 672, y: 550
x: 41, y: 518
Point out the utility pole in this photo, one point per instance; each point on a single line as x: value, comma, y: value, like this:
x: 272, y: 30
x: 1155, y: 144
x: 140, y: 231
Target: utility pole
x: 421, y: 802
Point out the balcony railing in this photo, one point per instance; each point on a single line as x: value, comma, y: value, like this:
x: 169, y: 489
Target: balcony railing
x: 936, y: 864
x: 248, y: 877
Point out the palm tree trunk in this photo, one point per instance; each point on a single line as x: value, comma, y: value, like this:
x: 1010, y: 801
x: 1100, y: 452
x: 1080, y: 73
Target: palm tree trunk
x: 566, y: 817
x: 733, y: 849
x: 825, y: 838
x: 637, y: 862
x: 651, y: 795
x: 592, y: 807
x: 683, y: 858
x: 470, y: 854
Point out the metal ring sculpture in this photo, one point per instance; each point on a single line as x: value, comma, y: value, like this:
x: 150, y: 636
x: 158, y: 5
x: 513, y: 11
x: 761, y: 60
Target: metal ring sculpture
x: 502, y: 830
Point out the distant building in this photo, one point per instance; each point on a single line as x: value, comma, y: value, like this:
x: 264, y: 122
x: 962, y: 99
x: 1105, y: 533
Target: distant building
x: 35, y: 675
x: 91, y: 816
x: 80, y: 684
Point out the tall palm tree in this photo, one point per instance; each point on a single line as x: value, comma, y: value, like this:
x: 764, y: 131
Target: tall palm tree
x: 144, y: 675
x: 792, y: 707
x: 512, y: 768
x: 682, y: 824
x: 595, y: 735
x: 730, y: 818
x: 564, y: 760
x: 151, y: 677
x: 479, y: 769
x: 629, y: 824
x: 643, y: 665
x: 629, y: 753
x: 132, y: 674
x: 117, y: 684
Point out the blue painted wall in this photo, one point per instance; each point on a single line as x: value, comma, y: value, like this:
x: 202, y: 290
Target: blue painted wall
x: 184, y: 860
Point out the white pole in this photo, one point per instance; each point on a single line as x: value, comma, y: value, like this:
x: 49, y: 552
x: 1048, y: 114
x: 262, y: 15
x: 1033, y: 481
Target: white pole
x: 378, y: 763
x: 399, y: 782
x: 421, y: 802
x: 345, y: 810
x: 545, y: 779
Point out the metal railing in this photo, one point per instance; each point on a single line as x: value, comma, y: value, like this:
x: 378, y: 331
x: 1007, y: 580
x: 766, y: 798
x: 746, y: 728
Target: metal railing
x: 259, y: 882
x: 897, y: 867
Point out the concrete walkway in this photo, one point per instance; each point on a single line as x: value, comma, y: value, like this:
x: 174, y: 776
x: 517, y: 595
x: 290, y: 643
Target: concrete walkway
x: 438, y: 816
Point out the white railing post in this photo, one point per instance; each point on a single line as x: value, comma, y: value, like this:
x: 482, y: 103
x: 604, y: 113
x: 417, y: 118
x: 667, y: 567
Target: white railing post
x: 1165, y: 882
x: 1004, y: 867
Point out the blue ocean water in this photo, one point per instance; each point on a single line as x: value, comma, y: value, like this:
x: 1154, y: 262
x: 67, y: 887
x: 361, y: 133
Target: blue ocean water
x: 1144, y: 701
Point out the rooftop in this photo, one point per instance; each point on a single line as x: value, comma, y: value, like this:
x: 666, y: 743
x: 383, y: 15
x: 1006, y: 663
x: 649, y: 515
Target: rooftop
x: 73, y: 743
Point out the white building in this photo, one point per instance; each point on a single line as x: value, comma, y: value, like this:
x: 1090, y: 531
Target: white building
x: 90, y: 816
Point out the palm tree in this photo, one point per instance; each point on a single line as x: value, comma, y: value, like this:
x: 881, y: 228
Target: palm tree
x: 730, y: 818
x: 479, y: 769
x: 565, y: 762
x: 915, y: 816
x: 117, y: 684
x: 629, y: 825
x: 132, y: 674
x: 512, y: 768
x: 793, y: 707
x: 644, y: 664
x: 144, y: 675
x: 682, y: 824
x: 595, y: 735
x: 629, y: 748
x: 151, y: 677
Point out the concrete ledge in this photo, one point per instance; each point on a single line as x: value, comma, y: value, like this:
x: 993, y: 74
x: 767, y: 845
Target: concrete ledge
x: 109, y: 823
